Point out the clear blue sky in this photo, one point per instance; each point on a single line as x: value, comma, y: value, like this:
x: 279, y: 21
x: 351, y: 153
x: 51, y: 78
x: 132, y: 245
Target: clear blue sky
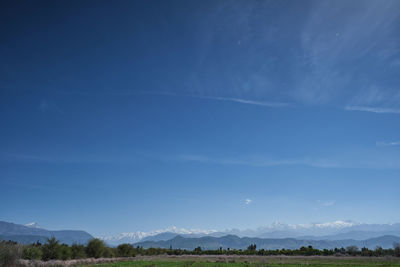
x: 138, y: 115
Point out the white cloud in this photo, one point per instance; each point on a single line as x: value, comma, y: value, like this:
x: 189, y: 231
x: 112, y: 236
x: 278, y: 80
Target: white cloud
x: 248, y: 201
x: 326, y: 203
x: 395, y: 143
x: 246, y: 101
x: 231, y: 99
x: 259, y: 161
x: 373, y: 109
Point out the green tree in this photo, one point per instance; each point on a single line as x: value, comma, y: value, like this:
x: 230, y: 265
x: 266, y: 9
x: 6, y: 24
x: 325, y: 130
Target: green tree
x: 109, y: 252
x: 78, y: 251
x: 352, y: 250
x: 252, y: 247
x: 95, y: 248
x: 65, y: 252
x: 396, y: 247
x: 125, y: 250
x: 378, y: 251
x: 51, y: 250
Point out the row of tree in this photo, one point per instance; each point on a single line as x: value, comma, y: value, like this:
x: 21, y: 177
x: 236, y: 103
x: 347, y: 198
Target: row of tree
x: 96, y: 248
x: 252, y: 250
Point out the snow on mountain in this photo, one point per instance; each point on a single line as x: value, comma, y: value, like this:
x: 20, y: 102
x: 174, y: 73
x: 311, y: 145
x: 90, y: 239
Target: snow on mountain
x: 132, y: 237
x: 32, y: 225
x: 282, y: 230
x: 274, y: 230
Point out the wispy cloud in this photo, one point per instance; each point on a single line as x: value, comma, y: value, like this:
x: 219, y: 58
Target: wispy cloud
x: 258, y: 161
x: 395, y: 143
x: 373, y: 109
x: 248, y: 201
x: 326, y: 203
x: 377, y: 162
x: 270, y: 104
x: 246, y: 101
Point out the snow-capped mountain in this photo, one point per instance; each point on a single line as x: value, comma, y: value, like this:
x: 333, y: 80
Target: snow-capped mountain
x: 328, y: 230
x: 32, y: 225
x: 282, y: 230
x: 133, y: 237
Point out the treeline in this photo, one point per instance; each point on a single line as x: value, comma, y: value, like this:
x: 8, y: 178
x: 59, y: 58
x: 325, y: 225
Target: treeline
x: 11, y: 252
x: 252, y: 250
x: 52, y: 250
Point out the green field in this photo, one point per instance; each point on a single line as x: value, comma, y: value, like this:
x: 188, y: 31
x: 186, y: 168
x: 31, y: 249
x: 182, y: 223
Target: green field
x: 256, y: 261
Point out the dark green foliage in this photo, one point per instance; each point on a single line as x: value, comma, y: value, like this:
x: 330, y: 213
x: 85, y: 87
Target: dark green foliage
x: 32, y: 253
x: 51, y: 250
x: 65, y: 252
x: 95, y: 248
x: 126, y: 250
x: 252, y: 247
x: 78, y: 251
x: 352, y: 250
x: 109, y: 252
x: 396, y: 247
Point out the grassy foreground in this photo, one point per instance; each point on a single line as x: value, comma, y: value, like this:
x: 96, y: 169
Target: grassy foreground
x: 255, y: 261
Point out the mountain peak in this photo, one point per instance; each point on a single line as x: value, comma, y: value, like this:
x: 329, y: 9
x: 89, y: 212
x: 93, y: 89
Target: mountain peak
x: 32, y: 225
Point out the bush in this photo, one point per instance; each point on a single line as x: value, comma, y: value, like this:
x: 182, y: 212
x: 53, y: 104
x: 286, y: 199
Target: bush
x: 78, y: 251
x: 32, y: 253
x: 51, y: 250
x: 95, y: 248
x: 10, y: 252
x: 109, y: 252
x: 126, y: 250
x: 64, y: 252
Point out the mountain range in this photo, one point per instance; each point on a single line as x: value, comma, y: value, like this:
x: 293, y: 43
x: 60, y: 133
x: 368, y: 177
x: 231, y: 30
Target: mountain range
x: 337, y: 230
x: 32, y: 233
x: 277, y: 235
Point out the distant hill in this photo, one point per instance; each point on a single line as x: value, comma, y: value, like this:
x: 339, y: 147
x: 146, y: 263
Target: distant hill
x: 235, y: 242
x: 31, y: 234
x: 357, y: 235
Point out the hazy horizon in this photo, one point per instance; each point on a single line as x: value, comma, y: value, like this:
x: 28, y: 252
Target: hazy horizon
x: 141, y: 115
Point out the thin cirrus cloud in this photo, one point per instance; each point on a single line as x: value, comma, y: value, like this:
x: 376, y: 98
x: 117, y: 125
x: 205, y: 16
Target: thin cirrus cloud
x: 269, y: 104
x: 326, y: 203
x: 258, y: 162
x: 246, y: 101
x: 394, y: 143
x: 373, y: 109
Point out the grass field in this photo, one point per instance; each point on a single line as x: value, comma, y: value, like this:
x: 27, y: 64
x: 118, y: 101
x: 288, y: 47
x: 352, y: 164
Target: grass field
x: 232, y: 261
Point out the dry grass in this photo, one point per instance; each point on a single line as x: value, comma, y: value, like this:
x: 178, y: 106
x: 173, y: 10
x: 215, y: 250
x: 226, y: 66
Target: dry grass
x: 80, y: 262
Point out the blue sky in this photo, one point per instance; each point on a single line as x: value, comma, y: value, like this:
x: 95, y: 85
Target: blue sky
x: 140, y: 115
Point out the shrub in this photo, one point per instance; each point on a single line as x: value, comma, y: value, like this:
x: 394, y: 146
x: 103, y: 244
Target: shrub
x: 109, y: 252
x: 95, y: 248
x: 10, y: 252
x: 32, y: 253
x: 51, y: 250
x: 126, y: 250
x: 78, y: 251
x: 64, y: 252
